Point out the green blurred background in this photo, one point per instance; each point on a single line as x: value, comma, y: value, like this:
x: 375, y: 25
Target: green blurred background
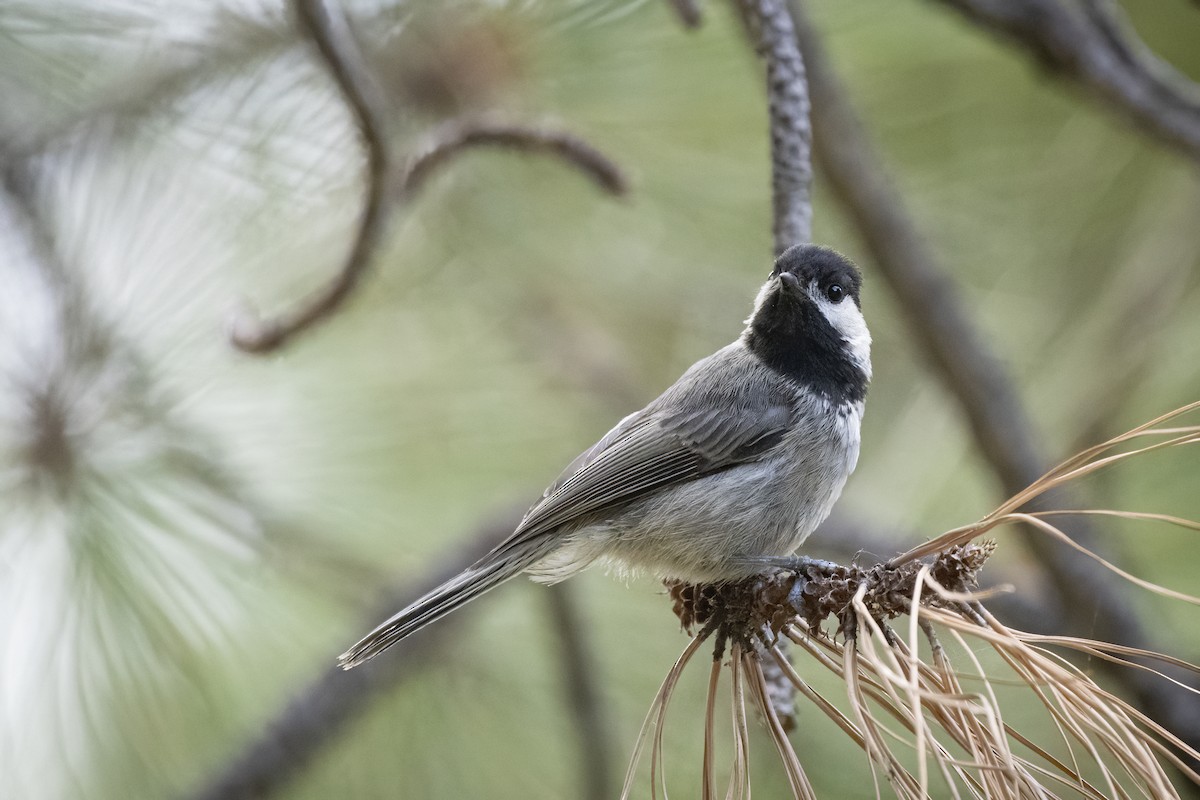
x: 189, y: 535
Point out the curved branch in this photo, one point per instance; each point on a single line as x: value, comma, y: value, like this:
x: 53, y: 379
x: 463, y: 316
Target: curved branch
x: 582, y: 693
x: 443, y: 145
x: 455, y: 137
x: 1098, y: 52
x: 688, y: 13
x: 330, y: 31
x: 771, y: 30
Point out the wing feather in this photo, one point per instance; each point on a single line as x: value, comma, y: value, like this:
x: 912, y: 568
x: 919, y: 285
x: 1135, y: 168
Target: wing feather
x: 650, y: 450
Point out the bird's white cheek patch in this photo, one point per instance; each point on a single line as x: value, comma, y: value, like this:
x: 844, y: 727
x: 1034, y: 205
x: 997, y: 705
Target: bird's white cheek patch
x: 847, y: 320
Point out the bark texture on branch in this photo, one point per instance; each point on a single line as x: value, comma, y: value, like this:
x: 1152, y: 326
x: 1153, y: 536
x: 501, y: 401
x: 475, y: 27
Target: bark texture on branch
x: 770, y: 28
x: 1090, y: 46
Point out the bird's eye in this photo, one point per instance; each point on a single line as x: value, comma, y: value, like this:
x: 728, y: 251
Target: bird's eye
x: 835, y: 292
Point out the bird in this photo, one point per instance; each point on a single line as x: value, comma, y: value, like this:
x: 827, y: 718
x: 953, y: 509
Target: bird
x: 721, y: 477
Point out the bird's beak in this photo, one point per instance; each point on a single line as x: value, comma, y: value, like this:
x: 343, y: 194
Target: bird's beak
x: 789, y: 283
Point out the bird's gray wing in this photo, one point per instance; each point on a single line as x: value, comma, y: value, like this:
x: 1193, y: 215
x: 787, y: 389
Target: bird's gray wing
x: 654, y: 448
x: 718, y: 415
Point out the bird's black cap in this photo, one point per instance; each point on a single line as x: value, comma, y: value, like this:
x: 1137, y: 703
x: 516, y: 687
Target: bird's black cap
x: 809, y: 262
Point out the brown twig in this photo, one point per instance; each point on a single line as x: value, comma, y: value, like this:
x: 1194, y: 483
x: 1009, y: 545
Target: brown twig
x: 287, y: 744
x: 582, y: 697
x: 971, y: 372
x: 455, y: 137
x: 688, y: 12
x: 326, y: 24
x: 441, y: 147
x: 770, y: 28
x: 1090, y: 47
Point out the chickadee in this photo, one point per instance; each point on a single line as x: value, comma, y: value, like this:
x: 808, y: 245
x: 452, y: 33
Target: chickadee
x: 720, y: 477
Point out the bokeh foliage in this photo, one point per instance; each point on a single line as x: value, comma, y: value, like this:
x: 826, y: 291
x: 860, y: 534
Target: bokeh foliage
x: 226, y: 521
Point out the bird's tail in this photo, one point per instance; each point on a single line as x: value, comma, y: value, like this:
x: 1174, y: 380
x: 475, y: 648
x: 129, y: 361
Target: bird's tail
x: 488, y: 573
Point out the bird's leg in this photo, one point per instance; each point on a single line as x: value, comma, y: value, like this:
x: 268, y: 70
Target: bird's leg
x: 804, y: 564
x: 799, y: 564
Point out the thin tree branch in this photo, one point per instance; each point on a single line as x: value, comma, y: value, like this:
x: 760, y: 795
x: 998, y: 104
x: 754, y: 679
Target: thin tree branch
x: 583, y: 698
x: 326, y: 24
x: 688, y: 12
x: 455, y: 137
x: 319, y: 712
x: 441, y: 147
x: 973, y: 374
x: 1096, y: 51
x: 770, y: 28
